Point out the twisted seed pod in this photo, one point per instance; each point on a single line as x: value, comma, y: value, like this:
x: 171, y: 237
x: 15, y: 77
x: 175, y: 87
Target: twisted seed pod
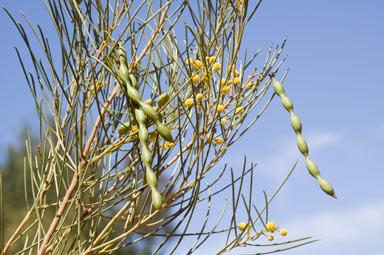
x: 123, y: 68
x: 146, y: 157
x: 130, y: 90
x: 149, y: 102
x: 134, y: 82
x: 163, y: 99
x: 301, y: 143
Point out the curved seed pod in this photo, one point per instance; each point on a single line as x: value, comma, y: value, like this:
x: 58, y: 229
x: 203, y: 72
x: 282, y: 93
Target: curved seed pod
x: 301, y: 143
x: 123, y: 68
x: 278, y: 87
x: 150, y: 112
x: 140, y: 116
x: 134, y: 95
x: 157, y: 200
x: 151, y: 178
x: 146, y: 157
x: 143, y: 135
x: 149, y: 102
x: 163, y: 130
x: 163, y: 99
x: 312, y: 167
x: 134, y: 82
x: 296, y: 123
x: 325, y: 186
x: 287, y: 103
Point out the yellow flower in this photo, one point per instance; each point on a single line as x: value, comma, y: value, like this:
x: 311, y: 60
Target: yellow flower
x: 250, y: 84
x: 283, y: 232
x: 216, y: 66
x: 212, y: 59
x: 237, y: 81
x: 223, y: 121
x: 179, y: 127
x: 230, y: 82
x: 152, y: 136
x: 189, y: 102
x: 239, y: 110
x: 225, y: 90
x: 134, y: 129
x: 197, y: 64
x: 237, y: 73
x: 242, y: 226
x: 199, y: 96
x: 206, y: 76
x: 195, y: 78
x: 223, y: 81
x: 189, y: 61
x: 270, y: 227
x: 170, y: 145
x: 209, y: 137
x: 220, y: 108
x: 270, y: 238
x: 218, y: 140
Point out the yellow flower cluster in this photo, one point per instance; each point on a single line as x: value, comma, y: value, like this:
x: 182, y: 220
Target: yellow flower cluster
x: 225, y: 90
x: 218, y: 140
x: 189, y: 102
x: 216, y: 66
x: 195, y: 78
x: 242, y: 226
x: 168, y: 145
x: 271, y: 227
x: 239, y: 110
x: 220, y: 108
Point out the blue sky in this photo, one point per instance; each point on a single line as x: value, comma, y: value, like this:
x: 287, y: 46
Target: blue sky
x: 336, y: 84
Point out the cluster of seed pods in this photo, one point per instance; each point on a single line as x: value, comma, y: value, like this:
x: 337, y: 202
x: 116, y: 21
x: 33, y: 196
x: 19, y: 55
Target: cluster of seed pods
x: 129, y: 88
x: 301, y: 143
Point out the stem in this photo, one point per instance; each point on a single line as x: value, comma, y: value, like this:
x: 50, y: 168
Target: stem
x: 84, y: 162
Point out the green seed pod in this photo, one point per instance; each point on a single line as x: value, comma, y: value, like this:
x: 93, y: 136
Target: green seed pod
x: 122, y: 55
x: 123, y: 129
x: 326, y: 187
x: 296, y: 123
x: 124, y: 74
x: 312, y: 168
x: 164, y: 132
x: 163, y: 99
x: 157, y: 200
x: 123, y: 69
x: 149, y: 102
x: 146, y: 156
x: 140, y: 116
x: 287, y: 103
x: 143, y: 135
x: 150, y: 112
x: 134, y: 82
x: 151, y: 178
x: 302, y: 144
x: 134, y: 95
x: 278, y: 87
